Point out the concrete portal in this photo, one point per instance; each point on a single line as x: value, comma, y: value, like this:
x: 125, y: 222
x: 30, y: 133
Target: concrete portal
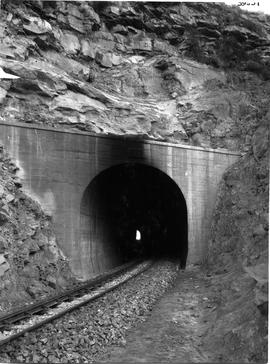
x: 56, y: 167
x: 127, y: 198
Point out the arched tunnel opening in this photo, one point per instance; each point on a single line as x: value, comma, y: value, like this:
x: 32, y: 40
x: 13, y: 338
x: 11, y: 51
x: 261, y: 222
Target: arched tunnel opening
x: 133, y: 211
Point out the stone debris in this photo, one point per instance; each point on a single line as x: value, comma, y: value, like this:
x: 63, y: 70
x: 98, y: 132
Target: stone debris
x: 27, y: 323
x: 37, y: 26
x: 83, y: 334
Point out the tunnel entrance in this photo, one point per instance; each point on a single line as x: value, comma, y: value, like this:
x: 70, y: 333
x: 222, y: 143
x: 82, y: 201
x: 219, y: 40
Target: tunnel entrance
x: 132, y: 210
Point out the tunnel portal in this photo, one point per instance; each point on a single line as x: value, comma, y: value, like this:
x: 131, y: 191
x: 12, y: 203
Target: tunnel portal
x: 127, y: 201
x: 58, y: 180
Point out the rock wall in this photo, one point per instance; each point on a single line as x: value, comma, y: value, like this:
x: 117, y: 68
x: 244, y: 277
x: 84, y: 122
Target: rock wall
x: 162, y: 71
x: 238, y: 255
x: 31, y: 264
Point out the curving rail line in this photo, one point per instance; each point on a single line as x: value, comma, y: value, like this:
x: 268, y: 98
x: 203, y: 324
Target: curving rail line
x: 30, y: 317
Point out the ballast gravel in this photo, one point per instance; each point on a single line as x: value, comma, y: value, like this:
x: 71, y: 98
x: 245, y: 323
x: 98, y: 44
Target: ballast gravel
x: 53, y: 313
x: 84, y: 334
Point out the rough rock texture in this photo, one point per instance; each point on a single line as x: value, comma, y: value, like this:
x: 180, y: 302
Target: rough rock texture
x: 157, y: 70
x: 31, y: 264
x: 238, y: 254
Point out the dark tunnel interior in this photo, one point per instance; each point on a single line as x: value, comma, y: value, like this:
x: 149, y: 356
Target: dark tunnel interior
x: 139, y: 211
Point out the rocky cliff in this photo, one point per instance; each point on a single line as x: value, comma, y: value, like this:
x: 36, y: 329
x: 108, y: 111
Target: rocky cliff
x: 193, y: 73
x: 238, y: 256
x: 162, y: 71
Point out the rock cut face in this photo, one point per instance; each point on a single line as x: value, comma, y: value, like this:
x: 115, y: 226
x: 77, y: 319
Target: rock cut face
x: 162, y: 71
x: 31, y: 264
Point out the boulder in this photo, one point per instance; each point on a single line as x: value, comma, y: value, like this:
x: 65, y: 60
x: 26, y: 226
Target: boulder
x: 116, y: 60
x: 103, y: 59
x: 108, y: 60
x: 70, y: 42
x: 88, y: 49
x: 37, y: 26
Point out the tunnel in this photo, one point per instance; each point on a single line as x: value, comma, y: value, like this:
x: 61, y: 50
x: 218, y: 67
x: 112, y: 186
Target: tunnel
x: 132, y: 211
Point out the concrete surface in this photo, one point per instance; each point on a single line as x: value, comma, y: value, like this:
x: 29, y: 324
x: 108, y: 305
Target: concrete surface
x: 56, y: 166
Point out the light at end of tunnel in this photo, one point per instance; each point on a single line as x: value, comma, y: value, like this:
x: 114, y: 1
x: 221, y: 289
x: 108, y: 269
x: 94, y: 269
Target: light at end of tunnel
x: 138, y: 235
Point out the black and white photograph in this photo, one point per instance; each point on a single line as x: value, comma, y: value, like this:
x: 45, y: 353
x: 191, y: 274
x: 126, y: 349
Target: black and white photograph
x: 134, y: 181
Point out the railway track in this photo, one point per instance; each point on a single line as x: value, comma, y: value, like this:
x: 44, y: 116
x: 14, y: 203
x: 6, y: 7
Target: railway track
x: 30, y: 317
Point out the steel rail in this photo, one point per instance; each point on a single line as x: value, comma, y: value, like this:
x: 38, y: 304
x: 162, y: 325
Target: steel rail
x: 91, y: 285
x: 46, y: 303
